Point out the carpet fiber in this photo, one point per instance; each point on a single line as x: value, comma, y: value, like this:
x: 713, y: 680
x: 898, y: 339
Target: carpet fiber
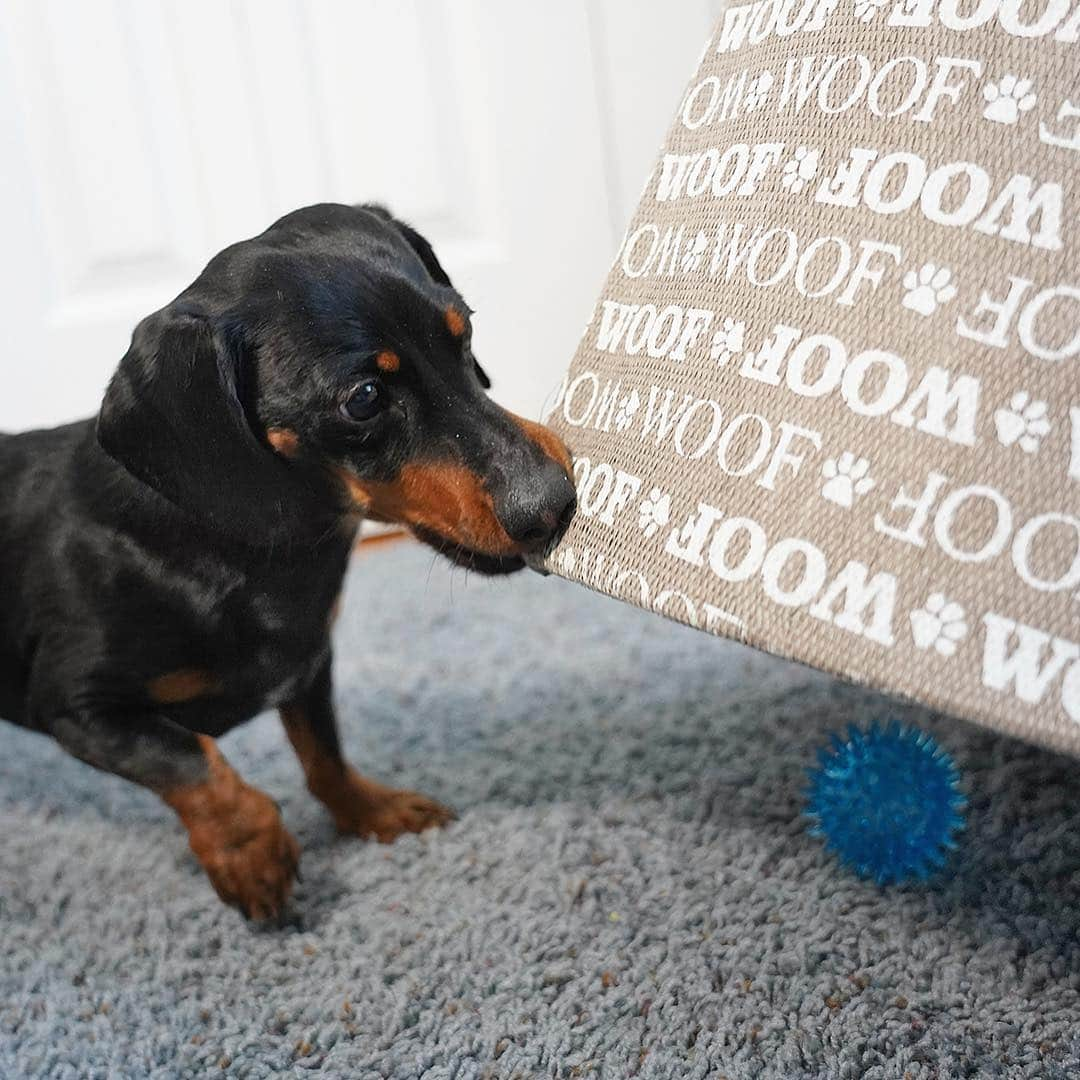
x: 629, y: 890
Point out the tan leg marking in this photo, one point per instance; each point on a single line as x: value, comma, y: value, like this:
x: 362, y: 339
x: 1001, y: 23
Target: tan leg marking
x: 236, y: 834
x: 358, y: 805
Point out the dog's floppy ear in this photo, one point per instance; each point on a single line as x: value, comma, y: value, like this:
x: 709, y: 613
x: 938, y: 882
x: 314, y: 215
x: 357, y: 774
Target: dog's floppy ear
x: 418, y: 243
x: 425, y: 251
x: 426, y: 254
x: 173, y: 416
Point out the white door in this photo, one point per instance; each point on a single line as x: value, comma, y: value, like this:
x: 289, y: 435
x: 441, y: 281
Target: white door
x: 141, y: 136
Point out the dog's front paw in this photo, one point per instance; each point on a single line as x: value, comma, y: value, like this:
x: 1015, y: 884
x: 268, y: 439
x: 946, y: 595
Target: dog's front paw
x: 249, y: 856
x: 253, y: 870
x: 367, y: 808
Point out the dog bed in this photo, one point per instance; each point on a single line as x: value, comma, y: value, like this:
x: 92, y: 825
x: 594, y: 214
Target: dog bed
x: 828, y: 400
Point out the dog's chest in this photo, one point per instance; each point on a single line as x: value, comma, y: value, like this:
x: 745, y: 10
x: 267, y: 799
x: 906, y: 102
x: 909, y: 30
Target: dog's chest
x: 285, y: 647
x: 236, y: 641
x: 271, y: 647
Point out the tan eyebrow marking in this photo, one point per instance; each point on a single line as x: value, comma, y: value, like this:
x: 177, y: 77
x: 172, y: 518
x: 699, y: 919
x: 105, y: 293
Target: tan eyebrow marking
x: 284, y: 441
x: 388, y: 361
x: 455, y: 321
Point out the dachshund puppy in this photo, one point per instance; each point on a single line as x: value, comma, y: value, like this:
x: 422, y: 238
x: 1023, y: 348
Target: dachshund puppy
x: 173, y: 567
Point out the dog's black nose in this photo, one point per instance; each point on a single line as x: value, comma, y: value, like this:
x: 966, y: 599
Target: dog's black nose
x: 536, y: 511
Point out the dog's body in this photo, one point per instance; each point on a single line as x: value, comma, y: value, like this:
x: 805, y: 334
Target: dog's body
x: 109, y: 592
x: 173, y: 567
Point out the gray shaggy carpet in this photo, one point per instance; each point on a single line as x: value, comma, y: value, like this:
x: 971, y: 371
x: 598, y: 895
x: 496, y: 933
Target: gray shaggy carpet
x: 629, y: 890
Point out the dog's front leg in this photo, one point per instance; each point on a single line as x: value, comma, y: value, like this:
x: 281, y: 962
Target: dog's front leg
x: 235, y: 830
x: 359, y: 805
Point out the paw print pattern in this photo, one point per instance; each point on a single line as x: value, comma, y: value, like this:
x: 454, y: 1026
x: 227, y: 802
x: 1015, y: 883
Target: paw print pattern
x: 939, y: 624
x: 654, y: 512
x: 691, y: 259
x: 624, y: 413
x: 846, y: 478
x: 566, y: 560
x: 800, y: 169
x: 927, y: 288
x: 728, y: 341
x: 1023, y: 422
x: 757, y: 93
x: 866, y: 10
x: 1007, y: 99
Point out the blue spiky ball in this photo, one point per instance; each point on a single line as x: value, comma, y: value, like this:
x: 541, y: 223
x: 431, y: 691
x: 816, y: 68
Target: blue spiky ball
x: 887, y: 800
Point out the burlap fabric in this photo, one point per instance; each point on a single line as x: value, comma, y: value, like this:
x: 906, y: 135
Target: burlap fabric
x: 828, y: 401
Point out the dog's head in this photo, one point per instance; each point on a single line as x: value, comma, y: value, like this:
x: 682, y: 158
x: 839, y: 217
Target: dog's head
x: 328, y: 361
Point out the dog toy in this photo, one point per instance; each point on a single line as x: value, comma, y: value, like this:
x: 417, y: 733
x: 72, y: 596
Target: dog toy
x: 887, y: 801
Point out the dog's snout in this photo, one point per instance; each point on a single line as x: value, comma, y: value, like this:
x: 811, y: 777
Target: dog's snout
x: 536, y: 511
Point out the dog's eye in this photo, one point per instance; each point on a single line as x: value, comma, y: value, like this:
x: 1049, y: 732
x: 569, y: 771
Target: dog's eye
x: 365, y: 401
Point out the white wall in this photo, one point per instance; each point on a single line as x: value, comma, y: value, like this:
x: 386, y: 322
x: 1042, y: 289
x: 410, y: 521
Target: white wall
x: 141, y: 136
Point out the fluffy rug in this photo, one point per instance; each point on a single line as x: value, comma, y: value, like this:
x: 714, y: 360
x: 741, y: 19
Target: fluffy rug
x: 629, y: 890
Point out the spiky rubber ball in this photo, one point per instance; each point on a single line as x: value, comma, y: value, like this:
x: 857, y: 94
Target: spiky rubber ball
x: 887, y: 801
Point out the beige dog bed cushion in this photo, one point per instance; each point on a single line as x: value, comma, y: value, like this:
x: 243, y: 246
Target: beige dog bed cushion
x: 828, y: 401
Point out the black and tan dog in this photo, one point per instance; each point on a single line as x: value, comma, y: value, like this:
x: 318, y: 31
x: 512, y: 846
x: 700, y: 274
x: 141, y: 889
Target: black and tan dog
x: 173, y: 567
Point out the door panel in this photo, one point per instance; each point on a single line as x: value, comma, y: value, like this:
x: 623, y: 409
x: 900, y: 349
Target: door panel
x: 141, y: 137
